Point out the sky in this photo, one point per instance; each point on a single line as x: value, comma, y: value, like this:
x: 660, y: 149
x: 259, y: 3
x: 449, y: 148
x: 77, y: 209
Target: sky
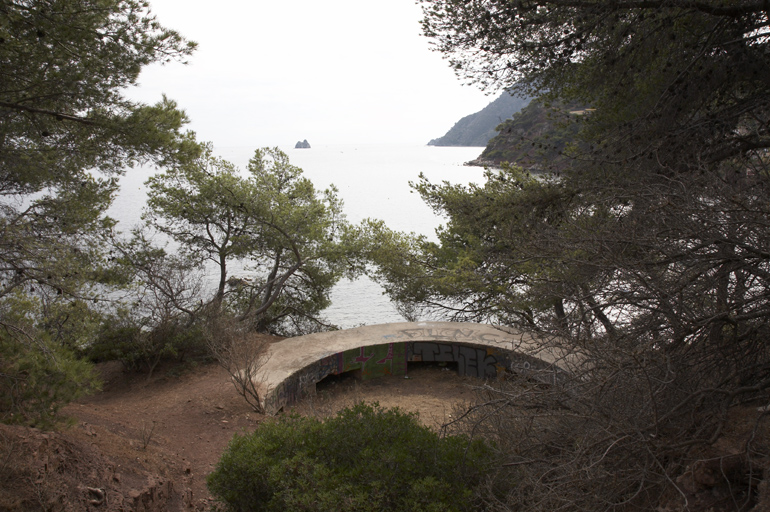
x: 273, y: 72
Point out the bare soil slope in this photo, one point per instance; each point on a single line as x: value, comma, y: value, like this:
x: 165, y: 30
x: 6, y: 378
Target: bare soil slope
x: 148, y: 444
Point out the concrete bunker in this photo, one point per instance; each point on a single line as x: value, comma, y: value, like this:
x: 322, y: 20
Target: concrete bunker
x: 477, y: 350
x: 397, y: 359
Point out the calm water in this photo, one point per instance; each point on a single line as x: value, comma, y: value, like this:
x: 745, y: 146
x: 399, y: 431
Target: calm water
x: 373, y: 181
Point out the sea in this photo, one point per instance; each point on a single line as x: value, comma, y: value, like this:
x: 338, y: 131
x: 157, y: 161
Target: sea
x: 373, y: 181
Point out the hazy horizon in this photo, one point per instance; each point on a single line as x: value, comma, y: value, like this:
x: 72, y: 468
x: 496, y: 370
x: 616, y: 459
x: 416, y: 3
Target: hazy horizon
x: 339, y: 72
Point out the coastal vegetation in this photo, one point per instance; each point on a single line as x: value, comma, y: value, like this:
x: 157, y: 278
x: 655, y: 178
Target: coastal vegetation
x: 537, y: 138
x: 363, y: 458
x: 286, y: 236
x: 476, y: 129
x: 646, y: 254
x: 640, y: 252
x: 67, y: 133
x: 72, y: 288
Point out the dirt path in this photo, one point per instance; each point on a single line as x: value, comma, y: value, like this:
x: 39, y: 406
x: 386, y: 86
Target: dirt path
x: 186, y: 420
x: 180, y: 424
x: 148, y: 445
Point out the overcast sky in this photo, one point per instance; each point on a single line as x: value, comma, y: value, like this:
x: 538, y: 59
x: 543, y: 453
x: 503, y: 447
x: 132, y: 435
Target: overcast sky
x: 272, y: 72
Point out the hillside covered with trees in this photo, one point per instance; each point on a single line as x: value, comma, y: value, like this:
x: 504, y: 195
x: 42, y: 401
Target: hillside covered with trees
x: 476, y: 129
x: 537, y: 138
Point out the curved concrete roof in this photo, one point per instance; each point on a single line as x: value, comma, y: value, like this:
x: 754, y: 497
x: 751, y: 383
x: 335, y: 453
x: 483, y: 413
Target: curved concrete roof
x: 288, y: 358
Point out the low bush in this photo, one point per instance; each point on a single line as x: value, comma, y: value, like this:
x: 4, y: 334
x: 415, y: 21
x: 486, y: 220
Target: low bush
x: 38, y: 373
x: 141, y: 348
x: 366, y: 458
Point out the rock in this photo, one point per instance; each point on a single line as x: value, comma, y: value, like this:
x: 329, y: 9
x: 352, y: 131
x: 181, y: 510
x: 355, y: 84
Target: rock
x: 153, y: 497
x: 96, y: 496
x: 302, y: 145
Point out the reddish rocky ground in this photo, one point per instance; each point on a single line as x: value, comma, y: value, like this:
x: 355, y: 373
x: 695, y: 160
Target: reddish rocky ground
x: 148, y: 444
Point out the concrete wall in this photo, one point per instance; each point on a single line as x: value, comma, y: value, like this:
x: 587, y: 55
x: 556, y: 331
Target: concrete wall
x: 481, y: 351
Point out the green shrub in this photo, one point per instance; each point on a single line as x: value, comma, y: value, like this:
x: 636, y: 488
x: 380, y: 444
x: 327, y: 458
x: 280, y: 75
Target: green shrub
x: 364, y: 459
x: 38, y: 375
x: 37, y: 378
x: 141, y: 348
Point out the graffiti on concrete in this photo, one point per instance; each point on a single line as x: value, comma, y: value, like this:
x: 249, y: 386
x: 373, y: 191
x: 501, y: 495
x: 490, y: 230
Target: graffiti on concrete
x: 467, y: 347
x: 362, y: 357
x: 471, y: 361
x: 316, y: 372
x: 302, y: 383
x: 287, y: 392
x: 375, y: 360
x: 371, y: 362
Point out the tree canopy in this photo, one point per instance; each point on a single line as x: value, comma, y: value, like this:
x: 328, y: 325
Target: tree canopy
x: 646, y: 255
x: 66, y: 132
x: 679, y: 81
x: 286, y: 237
x: 64, y: 115
x: 667, y: 184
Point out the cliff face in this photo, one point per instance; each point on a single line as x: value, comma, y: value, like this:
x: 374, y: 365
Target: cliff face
x: 477, y: 129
